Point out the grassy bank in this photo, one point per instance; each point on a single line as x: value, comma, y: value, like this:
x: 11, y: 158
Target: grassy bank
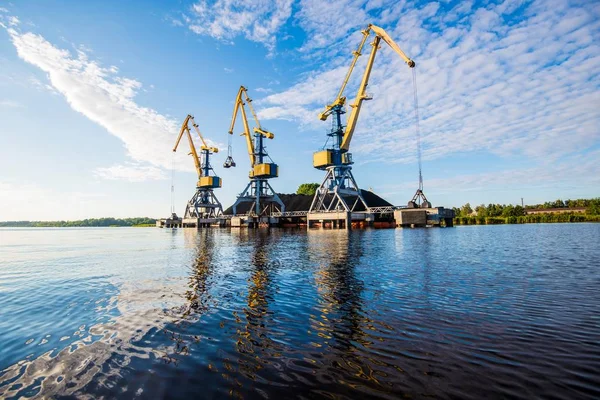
x: 527, y: 219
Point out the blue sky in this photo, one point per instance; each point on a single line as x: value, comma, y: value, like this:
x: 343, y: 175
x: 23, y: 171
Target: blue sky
x: 92, y: 93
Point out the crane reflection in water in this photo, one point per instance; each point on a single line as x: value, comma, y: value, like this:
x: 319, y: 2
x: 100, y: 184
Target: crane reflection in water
x: 199, y: 299
x: 345, y: 332
x: 254, y: 343
x: 339, y: 289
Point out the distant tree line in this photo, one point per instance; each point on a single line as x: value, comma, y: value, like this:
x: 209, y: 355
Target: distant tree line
x: 510, y: 214
x: 527, y: 219
x: 491, y: 210
x: 587, y: 203
x: 82, y: 223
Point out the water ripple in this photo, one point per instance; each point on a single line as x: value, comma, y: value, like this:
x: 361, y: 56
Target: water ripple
x: 471, y: 312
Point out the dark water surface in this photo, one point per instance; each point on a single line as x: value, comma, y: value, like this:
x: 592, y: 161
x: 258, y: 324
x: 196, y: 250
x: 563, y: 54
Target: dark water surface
x: 469, y: 312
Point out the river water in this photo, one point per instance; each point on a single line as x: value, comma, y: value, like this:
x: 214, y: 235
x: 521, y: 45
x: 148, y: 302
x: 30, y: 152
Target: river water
x: 472, y: 312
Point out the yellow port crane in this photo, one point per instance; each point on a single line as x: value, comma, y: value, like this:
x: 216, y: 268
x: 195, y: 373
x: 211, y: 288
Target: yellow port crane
x: 339, y: 191
x: 204, y: 203
x: 258, y: 191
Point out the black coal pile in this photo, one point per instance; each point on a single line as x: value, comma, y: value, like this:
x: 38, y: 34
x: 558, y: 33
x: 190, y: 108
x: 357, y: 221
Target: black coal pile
x: 301, y: 202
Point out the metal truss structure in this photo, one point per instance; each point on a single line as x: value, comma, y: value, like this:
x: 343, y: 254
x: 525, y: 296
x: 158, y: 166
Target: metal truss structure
x: 262, y: 196
x: 337, y: 192
x: 204, y: 204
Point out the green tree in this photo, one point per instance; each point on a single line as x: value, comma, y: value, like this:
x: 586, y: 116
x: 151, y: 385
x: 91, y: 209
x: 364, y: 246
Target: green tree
x: 466, y: 210
x: 518, y: 211
x: 558, y: 204
x: 481, y: 210
x: 307, y: 188
x: 494, y: 210
x: 593, y: 207
x: 508, y: 211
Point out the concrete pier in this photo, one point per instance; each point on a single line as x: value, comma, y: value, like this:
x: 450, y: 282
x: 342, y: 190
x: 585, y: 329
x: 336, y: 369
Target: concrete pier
x: 173, y: 222
x: 191, y: 222
x: 340, y: 220
x: 249, y: 221
x: 422, y: 217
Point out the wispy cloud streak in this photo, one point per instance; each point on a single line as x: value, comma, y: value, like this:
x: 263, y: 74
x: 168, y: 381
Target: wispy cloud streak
x: 108, y: 99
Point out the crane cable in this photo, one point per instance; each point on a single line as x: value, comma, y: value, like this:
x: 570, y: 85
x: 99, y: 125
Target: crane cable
x: 229, y: 148
x: 417, y: 128
x: 172, y: 183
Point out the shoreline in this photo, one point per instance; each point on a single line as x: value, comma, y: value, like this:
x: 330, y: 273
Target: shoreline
x: 527, y: 219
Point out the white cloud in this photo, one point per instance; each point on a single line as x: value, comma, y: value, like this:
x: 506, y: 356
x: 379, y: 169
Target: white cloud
x: 263, y: 90
x: 11, y: 104
x: 39, y: 85
x: 530, y: 87
x: 176, y: 22
x: 3, y: 10
x: 326, y: 22
x: 228, y: 70
x: 131, y: 172
x: 13, y: 21
x: 107, y: 99
x: 256, y: 20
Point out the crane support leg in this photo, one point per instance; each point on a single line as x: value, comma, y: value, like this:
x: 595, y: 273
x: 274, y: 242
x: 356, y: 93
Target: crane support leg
x: 262, y: 196
x: 338, y: 192
x: 203, y: 204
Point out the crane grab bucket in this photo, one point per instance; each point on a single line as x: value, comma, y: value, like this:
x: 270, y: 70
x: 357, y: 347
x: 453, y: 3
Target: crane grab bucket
x: 229, y: 162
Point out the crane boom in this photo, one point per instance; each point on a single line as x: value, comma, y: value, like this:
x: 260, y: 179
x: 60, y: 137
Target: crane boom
x: 340, y: 99
x: 362, y: 95
x: 204, y: 145
x: 241, y: 100
x: 386, y: 38
x: 185, y: 129
x: 239, y: 104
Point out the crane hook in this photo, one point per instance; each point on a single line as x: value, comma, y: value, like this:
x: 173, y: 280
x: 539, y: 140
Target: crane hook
x: 229, y: 160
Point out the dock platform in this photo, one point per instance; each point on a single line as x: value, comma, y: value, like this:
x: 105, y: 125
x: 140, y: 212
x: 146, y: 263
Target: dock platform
x: 380, y: 214
x: 423, y: 217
